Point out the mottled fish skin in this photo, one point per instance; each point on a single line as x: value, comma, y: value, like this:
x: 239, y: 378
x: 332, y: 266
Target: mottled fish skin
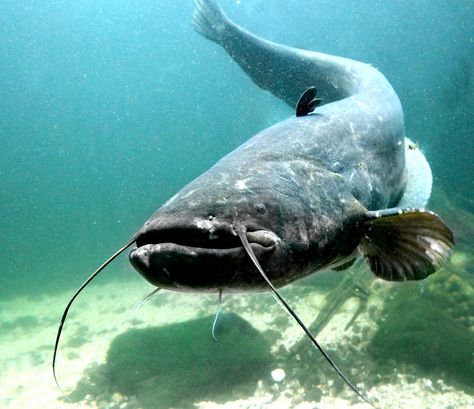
x: 310, y: 181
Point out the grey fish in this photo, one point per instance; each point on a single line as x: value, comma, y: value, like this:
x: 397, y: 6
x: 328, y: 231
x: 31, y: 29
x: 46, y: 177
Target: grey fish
x: 337, y: 180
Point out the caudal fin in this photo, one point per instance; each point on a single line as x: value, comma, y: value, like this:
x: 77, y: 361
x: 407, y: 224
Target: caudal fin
x: 407, y: 244
x: 209, y: 20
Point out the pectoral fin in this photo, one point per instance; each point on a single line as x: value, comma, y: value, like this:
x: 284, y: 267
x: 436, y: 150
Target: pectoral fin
x: 405, y: 244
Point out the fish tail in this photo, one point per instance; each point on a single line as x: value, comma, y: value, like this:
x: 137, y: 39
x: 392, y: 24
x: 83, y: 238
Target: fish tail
x: 210, y: 20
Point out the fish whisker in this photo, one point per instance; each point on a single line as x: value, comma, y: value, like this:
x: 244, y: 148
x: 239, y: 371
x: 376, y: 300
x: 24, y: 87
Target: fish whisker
x: 241, y: 232
x: 145, y: 299
x: 68, y: 306
x: 218, y: 310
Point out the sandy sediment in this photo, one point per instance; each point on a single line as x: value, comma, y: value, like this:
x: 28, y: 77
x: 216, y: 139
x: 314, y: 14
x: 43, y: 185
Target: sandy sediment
x: 104, y: 312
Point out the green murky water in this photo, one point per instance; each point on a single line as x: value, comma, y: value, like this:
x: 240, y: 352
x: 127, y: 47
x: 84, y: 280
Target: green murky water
x: 107, y: 108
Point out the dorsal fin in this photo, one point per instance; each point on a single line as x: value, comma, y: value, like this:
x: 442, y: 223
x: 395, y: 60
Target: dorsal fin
x: 307, y: 102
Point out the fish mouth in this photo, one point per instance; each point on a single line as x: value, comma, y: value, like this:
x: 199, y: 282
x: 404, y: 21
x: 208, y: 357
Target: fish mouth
x: 201, y: 255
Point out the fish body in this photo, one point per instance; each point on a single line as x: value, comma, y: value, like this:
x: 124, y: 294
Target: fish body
x: 306, y: 189
x: 336, y: 180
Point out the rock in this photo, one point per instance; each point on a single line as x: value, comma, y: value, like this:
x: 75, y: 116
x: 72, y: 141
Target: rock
x: 422, y: 330
x: 278, y: 374
x: 178, y: 364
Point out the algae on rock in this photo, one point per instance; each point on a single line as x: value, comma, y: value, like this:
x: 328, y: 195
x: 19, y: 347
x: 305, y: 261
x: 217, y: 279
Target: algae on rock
x: 430, y: 324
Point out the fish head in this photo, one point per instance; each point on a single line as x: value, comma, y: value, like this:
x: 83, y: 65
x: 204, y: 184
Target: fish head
x: 190, y: 243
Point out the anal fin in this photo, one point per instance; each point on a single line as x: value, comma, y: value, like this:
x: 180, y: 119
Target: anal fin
x: 405, y: 244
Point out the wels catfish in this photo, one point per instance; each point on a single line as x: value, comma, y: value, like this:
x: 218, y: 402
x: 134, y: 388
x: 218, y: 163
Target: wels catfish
x: 335, y: 181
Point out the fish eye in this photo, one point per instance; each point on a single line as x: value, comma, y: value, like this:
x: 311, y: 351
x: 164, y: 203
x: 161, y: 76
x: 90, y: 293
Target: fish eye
x: 260, y: 207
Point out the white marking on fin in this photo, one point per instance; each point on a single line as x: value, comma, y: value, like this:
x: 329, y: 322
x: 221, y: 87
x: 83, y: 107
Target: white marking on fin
x: 435, y: 245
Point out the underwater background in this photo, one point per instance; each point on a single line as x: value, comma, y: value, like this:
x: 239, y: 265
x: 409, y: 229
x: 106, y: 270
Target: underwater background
x: 108, y: 108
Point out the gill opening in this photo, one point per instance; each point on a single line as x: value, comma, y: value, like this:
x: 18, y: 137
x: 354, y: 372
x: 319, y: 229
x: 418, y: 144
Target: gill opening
x: 241, y: 232
x: 68, y: 306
